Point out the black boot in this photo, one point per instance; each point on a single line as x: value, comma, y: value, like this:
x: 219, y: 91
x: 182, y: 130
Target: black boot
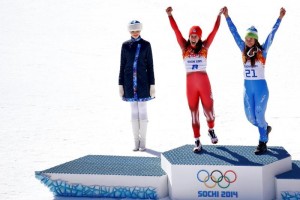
x: 269, y: 129
x: 213, y: 136
x: 261, y: 148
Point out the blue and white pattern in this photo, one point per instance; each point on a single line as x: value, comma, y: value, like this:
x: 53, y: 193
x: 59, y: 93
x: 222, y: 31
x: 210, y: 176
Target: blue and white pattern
x: 290, y: 195
x: 137, y: 99
x: 135, y: 70
x: 62, y: 188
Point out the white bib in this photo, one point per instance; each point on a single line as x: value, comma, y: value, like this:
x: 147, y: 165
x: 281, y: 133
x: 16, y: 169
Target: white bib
x: 257, y: 72
x: 193, y: 64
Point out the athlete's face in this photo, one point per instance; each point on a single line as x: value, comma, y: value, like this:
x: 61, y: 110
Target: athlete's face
x: 249, y: 41
x: 194, y: 39
x: 135, y: 34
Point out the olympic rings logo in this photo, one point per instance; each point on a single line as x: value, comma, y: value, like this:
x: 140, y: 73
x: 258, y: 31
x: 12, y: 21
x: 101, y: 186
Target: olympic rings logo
x: 216, y: 177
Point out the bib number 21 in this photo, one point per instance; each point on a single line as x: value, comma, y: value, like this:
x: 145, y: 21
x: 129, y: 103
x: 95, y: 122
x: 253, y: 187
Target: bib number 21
x: 250, y: 73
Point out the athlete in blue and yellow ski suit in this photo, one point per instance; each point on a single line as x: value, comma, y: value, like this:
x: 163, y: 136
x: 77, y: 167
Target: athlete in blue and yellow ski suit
x: 256, y: 93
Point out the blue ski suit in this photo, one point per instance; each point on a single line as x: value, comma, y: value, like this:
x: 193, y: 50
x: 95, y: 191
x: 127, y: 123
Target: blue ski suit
x: 256, y: 93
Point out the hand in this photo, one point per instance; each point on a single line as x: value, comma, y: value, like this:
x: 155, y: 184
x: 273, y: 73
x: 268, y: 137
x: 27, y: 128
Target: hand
x: 169, y: 11
x: 152, y: 91
x: 121, y: 90
x: 221, y: 11
x: 225, y: 12
x: 282, y: 13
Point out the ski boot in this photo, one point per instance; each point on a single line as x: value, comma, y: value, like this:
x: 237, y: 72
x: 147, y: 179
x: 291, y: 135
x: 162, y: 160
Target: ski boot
x: 198, y: 146
x: 261, y: 148
x: 213, y: 137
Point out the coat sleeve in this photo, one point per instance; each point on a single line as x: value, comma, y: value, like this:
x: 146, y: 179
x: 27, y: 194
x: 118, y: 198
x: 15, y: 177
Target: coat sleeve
x: 212, y: 35
x: 266, y: 45
x: 150, y: 68
x: 181, y: 41
x: 235, y: 34
x: 122, y: 66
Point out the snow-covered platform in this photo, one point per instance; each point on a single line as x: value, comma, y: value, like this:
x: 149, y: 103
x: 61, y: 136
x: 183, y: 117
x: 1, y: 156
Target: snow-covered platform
x: 224, y: 172
x: 218, y: 172
x: 107, y: 176
x: 288, y: 183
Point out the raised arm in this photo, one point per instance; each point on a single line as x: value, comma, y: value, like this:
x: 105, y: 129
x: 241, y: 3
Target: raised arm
x: 181, y: 41
x: 212, y: 35
x: 266, y: 45
x: 233, y: 30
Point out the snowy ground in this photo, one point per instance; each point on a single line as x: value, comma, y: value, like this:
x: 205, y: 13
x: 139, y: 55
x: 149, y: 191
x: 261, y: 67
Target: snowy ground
x: 59, y: 65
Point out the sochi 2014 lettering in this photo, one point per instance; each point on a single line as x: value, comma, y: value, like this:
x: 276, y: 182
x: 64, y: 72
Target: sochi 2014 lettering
x: 228, y: 194
x: 250, y: 66
x: 194, y: 61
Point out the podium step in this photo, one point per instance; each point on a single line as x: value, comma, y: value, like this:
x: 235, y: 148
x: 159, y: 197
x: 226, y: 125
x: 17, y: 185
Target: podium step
x: 288, y: 183
x: 223, y: 172
x: 107, y: 176
x: 224, y: 155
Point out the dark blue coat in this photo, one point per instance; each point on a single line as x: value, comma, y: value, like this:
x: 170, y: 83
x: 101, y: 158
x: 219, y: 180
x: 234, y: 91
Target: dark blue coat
x: 145, y: 72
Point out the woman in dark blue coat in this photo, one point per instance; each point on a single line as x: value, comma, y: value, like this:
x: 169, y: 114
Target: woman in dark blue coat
x: 136, y: 81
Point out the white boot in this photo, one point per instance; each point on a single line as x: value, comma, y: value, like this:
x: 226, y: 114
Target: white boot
x: 143, y: 131
x: 136, y: 133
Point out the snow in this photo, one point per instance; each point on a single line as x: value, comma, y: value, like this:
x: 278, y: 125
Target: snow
x: 59, y: 81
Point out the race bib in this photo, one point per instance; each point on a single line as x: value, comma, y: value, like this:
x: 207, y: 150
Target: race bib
x: 256, y: 72
x: 195, y: 64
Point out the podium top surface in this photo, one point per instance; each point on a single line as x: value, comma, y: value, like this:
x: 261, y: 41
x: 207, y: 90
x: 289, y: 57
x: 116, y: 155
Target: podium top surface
x: 292, y: 174
x: 110, y: 165
x: 224, y: 155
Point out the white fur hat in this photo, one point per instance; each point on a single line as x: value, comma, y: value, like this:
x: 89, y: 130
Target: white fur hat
x: 135, y: 25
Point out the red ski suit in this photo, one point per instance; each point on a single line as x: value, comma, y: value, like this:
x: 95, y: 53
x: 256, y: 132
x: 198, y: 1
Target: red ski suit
x: 197, y: 81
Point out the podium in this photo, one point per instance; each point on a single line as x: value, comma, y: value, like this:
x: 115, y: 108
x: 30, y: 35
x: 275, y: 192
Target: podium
x: 107, y: 177
x: 288, y: 183
x: 217, y: 172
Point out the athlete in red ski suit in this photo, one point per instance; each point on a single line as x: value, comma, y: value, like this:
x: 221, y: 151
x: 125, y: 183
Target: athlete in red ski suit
x: 198, y: 87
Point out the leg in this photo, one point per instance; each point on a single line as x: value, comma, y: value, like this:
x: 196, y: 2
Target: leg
x: 255, y: 104
x: 208, y: 107
x: 249, y: 107
x: 143, y: 119
x: 135, y: 125
x: 142, y: 111
x: 208, y: 103
x: 261, y: 101
x: 192, y: 94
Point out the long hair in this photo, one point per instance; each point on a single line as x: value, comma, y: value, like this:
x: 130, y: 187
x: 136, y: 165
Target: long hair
x: 248, y: 50
x: 198, y: 45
